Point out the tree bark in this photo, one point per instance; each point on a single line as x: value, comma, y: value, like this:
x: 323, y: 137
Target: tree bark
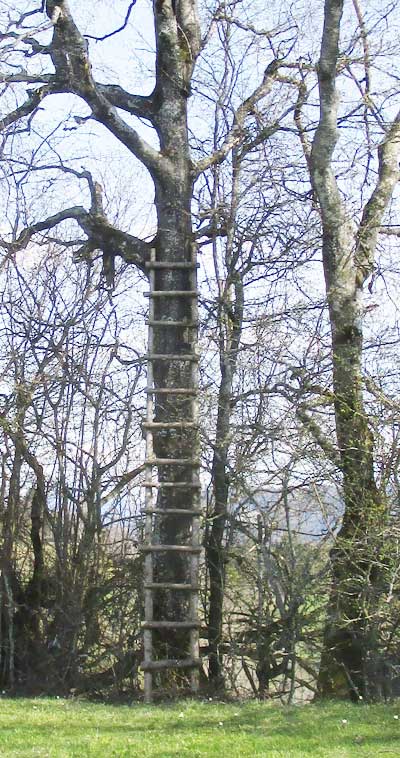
x: 350, y: 648
x: 230, y: 325
x: 178, y: 40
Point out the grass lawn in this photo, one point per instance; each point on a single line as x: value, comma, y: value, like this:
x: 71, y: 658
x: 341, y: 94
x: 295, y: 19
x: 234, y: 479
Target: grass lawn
x: 56, y: 728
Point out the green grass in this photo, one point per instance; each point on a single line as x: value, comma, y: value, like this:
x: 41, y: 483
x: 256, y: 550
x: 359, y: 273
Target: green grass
x: 56, y: 728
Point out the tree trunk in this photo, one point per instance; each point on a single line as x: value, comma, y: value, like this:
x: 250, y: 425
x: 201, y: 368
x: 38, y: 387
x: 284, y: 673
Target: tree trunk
x: 349, y: 641
x: 229, y: 316
x: 230, y: 327
x: 8, y: 582
x: 350, y: 650
x: 177, y: 35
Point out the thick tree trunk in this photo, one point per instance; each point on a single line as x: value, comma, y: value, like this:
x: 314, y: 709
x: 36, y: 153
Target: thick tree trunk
x: 174, y: 243
x: 177, y: 35
x: 350, y: 638
x: 349, y: 653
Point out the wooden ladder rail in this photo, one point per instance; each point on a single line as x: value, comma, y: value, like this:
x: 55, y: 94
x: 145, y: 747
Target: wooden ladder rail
x: 148, y: 530
x: 149, y: 665
x: 195, y: 556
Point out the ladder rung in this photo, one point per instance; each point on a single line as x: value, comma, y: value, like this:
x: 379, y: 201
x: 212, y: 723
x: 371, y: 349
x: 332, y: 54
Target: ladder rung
x: 175, y: 391
x: 174, y: 511
x: 171, y: 293
x: 170, y: 663
x: 174, y: 485
x: 172, y: 586
x: 169, y: 425
x: 171, y: 624
x: 171, y: 264
x: 172, y: 357
x: 169, y: 549
x: 171, y: 462
x: 190, y: 324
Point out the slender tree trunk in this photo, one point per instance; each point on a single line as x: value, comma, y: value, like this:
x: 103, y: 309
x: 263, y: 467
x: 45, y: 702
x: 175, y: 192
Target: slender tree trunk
x: 230, y: 324
x: 7, y: 588
x: 231, y: 320
x: 215, y: 553
x: 263, y: 654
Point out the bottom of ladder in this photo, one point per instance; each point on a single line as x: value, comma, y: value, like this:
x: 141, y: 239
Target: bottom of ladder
x: 153, y: 667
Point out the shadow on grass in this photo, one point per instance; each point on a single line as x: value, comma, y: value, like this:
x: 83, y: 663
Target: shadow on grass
x: 299, y: 731
x: 211, y: 729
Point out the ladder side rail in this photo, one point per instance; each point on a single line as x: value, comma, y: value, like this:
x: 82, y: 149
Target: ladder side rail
x: 195, y: 558
x: 149, y: 503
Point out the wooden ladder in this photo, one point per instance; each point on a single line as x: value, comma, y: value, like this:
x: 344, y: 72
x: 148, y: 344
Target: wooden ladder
x: 151, y: 666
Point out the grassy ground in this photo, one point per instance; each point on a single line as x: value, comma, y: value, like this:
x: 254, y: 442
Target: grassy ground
x: 74, y: 729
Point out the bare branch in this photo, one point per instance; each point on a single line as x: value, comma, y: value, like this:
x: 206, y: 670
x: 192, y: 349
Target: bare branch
x: 301, y: 100
x: 390, y: 231
x: 71, y: 61
x: 319, y: 436
x: 235, y: 134
x: 45, y: 26
x: 136, y: 105
x: 101, y: 235
x: 388, y: 176
x: 30, y: 105
x: 28, y: 14
x: 123, y: 482
x: 116, y: 31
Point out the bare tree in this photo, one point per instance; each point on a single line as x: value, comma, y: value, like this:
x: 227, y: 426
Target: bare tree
x: 66, y: 67
x: 68, y: 417
x: 282, y: 404
x: 349, y: 258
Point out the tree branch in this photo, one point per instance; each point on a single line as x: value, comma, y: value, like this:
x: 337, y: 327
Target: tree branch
x: 122, y: 483
x: 27, y: 33
x: 320, y: 438
x: 101, y: 235
x: 391, y: 231
x: 73, y: 69
x: 388, y: 176
x: 116, y: 31
x: 235, y: 134
x: 30, y: 105
x: 137, y: 105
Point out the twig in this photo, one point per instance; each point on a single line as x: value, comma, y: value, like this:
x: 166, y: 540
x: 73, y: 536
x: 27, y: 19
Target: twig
x: 116, y: 31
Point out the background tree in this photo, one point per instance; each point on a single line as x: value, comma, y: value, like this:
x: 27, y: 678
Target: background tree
x: 68, y: 419
x: 349, y: 659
